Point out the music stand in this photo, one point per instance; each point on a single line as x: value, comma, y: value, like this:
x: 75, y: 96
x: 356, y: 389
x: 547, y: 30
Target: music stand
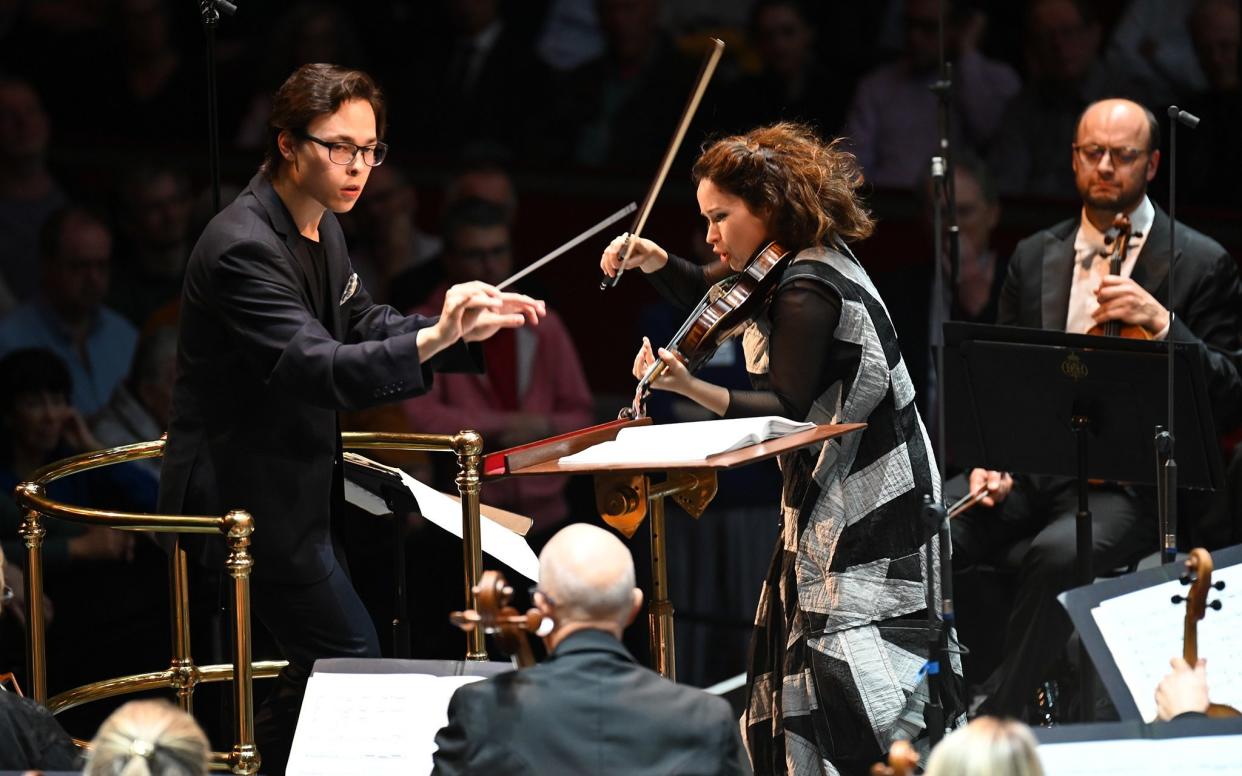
x: 1047, y: 402
x: 625, y: 493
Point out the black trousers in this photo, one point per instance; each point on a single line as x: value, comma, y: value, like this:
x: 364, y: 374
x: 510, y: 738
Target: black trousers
x: 1042, y: 510
x: 308, y: 622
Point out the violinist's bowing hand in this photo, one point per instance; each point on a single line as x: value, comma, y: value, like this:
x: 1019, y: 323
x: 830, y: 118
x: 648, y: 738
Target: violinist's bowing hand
x: 645, y: 255
x: 998, y: 485
x: 1122, y: 299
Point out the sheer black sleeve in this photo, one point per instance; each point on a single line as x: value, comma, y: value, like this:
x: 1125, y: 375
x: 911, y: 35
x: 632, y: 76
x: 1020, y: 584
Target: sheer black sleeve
x: 681, y: 282
x: 804, y: 315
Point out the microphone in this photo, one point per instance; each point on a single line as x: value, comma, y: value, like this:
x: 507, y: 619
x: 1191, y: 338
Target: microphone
x: 1182, y: 117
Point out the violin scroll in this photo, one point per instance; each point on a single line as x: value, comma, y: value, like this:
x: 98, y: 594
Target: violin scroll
x: 498, y: 619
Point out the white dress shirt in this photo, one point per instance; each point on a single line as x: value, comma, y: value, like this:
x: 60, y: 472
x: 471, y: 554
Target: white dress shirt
x: 1091, y: 255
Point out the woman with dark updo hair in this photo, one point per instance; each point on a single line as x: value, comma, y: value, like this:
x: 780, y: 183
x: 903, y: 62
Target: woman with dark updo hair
x: 840, y: 632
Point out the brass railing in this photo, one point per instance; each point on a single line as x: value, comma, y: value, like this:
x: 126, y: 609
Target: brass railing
x: 183, y: 675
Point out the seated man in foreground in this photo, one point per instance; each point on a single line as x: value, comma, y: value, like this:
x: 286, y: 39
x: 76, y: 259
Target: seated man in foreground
x: 588, y: 708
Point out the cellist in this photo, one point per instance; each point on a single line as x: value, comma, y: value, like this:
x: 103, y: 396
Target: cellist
x: 846, y: 585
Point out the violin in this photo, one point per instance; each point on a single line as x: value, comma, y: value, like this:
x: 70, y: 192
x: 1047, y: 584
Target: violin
x: 1121, y: 244
x: 721, y: 314
x: 509, y: 628
x: 1199, y: 576
x: 901, y: 760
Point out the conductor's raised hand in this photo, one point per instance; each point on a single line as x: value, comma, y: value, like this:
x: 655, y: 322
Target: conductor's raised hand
x: 644, y: 255
x: 475, y: 311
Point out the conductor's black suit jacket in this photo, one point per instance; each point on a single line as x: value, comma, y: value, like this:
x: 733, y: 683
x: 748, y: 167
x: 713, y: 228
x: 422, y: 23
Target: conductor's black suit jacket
x: 587, y: 709
x: 1207, y: 303
x: 263, y: 366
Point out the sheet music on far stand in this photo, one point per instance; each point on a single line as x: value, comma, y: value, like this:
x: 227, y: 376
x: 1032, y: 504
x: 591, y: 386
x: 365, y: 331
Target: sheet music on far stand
x: 1143, y: 630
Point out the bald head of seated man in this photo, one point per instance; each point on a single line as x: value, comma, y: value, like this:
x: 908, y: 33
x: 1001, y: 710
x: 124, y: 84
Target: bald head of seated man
x: 589, y: 707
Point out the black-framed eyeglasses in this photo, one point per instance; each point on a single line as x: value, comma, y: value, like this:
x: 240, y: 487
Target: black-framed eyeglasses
x: 342, y: 152
x: 1121, y: 157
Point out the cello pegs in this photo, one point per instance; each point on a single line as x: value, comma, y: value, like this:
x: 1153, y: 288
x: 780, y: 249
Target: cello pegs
x: 1215, y: 605
x: 1185, y: 579
x: 1177, y: 599
x: 1219, y: 585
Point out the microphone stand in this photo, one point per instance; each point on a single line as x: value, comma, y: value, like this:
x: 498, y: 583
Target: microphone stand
x: 935, y: 517
x: 1166, y: 474
x: 211, y: 10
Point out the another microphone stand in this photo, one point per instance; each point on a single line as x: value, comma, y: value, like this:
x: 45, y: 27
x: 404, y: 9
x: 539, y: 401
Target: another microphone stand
x: 1166, y: 464
x: 935, y: 517
x: 211, y: 10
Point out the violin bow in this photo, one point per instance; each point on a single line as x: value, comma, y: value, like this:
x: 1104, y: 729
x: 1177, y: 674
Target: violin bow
x: 696, y: 95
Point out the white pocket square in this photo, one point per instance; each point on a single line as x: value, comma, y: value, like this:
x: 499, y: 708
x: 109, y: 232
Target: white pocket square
x: 351, y: 288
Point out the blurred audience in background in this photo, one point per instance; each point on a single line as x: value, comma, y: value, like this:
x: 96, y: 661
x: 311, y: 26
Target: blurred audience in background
x: 68, y: 315
x: 567, y: 106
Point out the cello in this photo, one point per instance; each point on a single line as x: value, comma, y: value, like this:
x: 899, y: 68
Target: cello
x: 1199, y: 576
x: 510, y: 628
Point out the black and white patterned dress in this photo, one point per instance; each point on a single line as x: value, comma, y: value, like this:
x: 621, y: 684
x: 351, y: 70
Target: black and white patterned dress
x: 840, y: 632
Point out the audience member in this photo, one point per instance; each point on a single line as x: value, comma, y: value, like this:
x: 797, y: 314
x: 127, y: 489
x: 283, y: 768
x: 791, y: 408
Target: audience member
x: 534, y: 386
x: 1213, y: 147
x: 1183, y: 691
x: 612, y: 715
x: 69, y: 317
x: 792, y: 84
x: 30, y: 737
x: 618, y: 109
x: 1151, y: 46
x: 481, y: 176
x: 141, y: 404
x: 892, y: 123
x: 39, y: 426
x: 570, y: 36
x: 392, y: 242
x: 306, y: 32
x: 1064, y: 75
x: 149, y: 738
x: 153, y: 213
x: 477, y: 81
x: 986, y: 747
x: 28, y: 192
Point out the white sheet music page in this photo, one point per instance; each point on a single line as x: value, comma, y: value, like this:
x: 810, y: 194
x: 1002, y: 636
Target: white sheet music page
x: 1194, y: 755
x: 678, y: 442
x: 1143, y: 631
x: 377, y: 724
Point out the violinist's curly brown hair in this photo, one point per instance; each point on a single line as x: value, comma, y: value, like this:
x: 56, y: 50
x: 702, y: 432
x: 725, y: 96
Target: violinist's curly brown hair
x: 805, y: 187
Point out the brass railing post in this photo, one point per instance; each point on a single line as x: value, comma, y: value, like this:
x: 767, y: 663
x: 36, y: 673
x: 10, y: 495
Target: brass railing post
x: 469, y: 448
x: 239, y: 525
x: 32, y: 531
x: 185, y: 674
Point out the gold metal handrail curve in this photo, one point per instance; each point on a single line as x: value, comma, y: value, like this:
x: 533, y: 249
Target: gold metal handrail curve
x: 236, y: 526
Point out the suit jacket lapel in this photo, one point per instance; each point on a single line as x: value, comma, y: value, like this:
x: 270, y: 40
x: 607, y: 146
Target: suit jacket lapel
x: 1058, y: 275
x: 1152, y: 265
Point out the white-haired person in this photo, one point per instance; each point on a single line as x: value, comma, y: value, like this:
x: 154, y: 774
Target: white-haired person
x: 588, y: 708
x: 988, y: 746
x: 149, y: 738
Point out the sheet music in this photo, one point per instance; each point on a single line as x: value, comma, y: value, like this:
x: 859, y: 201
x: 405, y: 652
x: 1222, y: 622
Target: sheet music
x: 377, y: 724
x: 1194, y: 755
x: 694, y: 441
x: 1143, y: 630
x: 499, y: 542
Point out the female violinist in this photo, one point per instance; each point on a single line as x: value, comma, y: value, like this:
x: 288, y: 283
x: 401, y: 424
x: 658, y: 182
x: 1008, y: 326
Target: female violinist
x: 834, y: 672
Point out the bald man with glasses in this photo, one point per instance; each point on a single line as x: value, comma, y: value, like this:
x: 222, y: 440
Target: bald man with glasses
x: 1058, y: 279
